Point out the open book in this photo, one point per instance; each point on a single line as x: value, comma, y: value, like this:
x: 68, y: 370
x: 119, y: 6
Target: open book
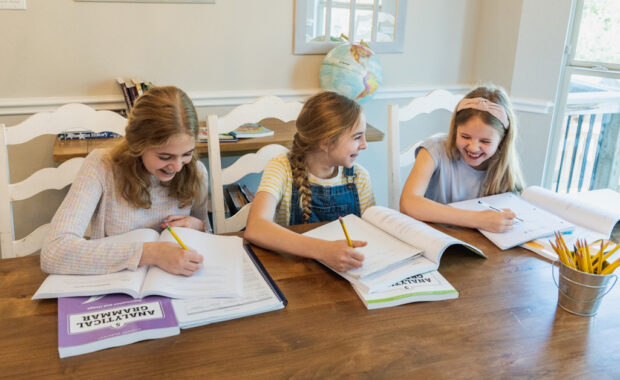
x: 430, y: 286
x: 87, y: 324
x: 398, y: 247
x: 595, y: 214
x: 221, y: 275
x: 260, y: 295
x: 532, y: 222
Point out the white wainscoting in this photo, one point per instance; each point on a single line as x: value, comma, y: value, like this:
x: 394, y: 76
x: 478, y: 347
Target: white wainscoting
x: 26, y: 106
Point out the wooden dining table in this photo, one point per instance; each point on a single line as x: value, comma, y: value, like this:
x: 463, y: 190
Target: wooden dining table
x: 504, y: 324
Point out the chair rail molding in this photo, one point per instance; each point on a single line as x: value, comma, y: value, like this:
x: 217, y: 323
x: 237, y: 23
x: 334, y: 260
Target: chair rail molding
x: 27, y: 106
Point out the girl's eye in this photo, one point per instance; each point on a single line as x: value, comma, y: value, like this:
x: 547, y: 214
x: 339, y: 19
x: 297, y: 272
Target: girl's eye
x: 164, y: 158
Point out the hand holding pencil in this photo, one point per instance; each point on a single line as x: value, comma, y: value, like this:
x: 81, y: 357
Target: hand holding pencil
x: 341, y: 255
x: 175, y: 258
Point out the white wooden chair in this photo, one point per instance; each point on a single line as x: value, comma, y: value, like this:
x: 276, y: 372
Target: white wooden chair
x: 435, y: 100
x: 262, y: 108
x: 65, y: 118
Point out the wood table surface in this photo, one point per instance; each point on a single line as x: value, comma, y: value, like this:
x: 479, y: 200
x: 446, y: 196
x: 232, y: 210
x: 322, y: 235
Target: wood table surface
x: 505, y: 324
x: 283, y: 135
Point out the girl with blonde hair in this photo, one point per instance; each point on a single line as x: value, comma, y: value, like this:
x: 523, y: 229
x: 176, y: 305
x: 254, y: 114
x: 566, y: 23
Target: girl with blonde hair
x: 477, y: 158
x: 152, y: 177
x: 317, y: 181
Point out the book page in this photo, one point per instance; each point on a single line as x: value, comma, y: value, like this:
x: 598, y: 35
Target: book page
x: 221, y: 275
x: 257, y: 297
x: 534, y: 222
x: 382, y: 251
x: 126, y: 281
x: 597, y: 210
x: 414, y: 232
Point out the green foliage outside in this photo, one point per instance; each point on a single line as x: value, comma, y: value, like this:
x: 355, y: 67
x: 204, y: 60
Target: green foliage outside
x: 599, y: 33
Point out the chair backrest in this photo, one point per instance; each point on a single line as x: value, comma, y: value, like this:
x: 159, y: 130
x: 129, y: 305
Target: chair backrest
x: 262, y: 108
x: 65, y: 118
x: 435, y: 100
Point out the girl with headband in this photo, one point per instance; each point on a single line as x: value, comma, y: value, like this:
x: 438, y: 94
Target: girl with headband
x: 475, y: 159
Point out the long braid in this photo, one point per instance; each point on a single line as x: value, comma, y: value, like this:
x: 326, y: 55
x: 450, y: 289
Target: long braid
x: 300, y: 176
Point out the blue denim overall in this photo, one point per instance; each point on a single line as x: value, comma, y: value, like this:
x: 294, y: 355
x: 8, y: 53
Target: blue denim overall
x: 328, y: 202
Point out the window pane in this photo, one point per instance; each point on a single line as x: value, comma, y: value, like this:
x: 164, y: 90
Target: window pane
x: 599, y: 32
x: 386, y: 20
x: 340, y: 19
x: 315, y: 22
x: 589, y: 150
x: 363, y: 25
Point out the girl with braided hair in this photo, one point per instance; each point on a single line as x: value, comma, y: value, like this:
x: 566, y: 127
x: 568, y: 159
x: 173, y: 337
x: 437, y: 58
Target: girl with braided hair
x: 317, y: 181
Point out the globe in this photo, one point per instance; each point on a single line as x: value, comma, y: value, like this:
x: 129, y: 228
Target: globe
x: 351, y: 70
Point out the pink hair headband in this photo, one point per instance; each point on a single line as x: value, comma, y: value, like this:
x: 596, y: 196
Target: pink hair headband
x: 486, y: 105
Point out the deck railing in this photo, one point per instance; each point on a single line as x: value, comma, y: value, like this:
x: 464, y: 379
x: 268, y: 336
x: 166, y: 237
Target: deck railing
x: 591, y: 120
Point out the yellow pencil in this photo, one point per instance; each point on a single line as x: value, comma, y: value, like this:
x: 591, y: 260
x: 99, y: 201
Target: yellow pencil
x: 344, y: 228
x: 177, y: 238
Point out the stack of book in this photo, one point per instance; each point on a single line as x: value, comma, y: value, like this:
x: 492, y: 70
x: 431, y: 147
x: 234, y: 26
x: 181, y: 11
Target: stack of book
x: 124, y: 307
x: 244, y: 131
x: 252, y: 130
x: 236, y: 196
x: 401, y: 257
x: 131, y: 90
x: 84, y: 135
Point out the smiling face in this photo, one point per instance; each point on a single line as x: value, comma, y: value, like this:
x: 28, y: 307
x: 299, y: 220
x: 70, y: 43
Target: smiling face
x: 165, y: 161
x: 477, y: 142
x: 345, y: 150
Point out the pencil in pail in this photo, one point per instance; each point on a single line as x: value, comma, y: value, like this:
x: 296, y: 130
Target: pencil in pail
x: 581, y: 293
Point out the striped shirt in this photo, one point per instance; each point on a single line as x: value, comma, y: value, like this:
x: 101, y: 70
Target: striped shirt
x: 277, y: 180
x: 93, y: 198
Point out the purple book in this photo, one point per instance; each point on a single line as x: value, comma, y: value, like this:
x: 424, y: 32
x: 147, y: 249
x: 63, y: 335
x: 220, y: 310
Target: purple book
x: 87, y: 324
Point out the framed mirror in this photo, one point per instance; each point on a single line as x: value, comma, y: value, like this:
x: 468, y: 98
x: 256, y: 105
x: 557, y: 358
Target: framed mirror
x: 319, y: 24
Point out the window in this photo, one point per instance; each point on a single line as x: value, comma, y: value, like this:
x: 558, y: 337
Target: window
x: 585, y: 145
x: 319, y: 24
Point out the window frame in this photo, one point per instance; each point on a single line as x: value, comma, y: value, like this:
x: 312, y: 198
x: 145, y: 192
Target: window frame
x: 570, y: 67
x: 301, y: 46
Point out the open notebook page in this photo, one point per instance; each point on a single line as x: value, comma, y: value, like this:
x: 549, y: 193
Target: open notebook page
x: 125, y: 281
x: 534, y: 221
x: 257, y: 297
x: 221, y: 275
x: 381, y: 252
x: 597, y: 210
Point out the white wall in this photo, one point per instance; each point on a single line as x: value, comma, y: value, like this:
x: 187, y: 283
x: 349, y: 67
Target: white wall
x: 59, y: 51
x: 68, y: 48
x: 538, y: 59
x: 228, y: 52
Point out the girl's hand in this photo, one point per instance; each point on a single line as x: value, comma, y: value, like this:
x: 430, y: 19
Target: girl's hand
x: 183, y: 221
x: 171, y: 258
x: 496, y: 221
x: 341, y: 257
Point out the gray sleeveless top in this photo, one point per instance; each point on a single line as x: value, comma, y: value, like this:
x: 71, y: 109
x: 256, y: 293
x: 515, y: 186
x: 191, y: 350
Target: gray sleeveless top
x: 452, y: 181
